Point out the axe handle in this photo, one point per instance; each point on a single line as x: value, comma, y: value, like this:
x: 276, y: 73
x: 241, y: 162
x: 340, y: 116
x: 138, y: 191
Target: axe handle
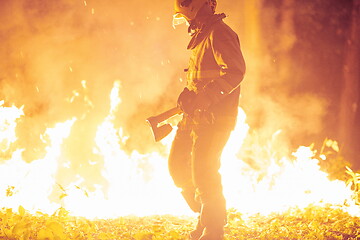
x: 166, y: 115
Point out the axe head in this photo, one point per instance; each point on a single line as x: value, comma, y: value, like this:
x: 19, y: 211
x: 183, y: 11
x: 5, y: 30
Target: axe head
x: 159, y: 132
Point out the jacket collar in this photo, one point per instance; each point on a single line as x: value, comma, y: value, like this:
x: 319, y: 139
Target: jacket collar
x: 200, y: 30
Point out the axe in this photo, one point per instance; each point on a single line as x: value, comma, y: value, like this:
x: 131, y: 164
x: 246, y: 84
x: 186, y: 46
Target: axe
x: 159, y: 132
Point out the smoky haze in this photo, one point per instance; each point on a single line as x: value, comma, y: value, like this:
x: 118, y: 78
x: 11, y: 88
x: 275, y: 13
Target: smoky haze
x: 50, y: 47
x: 60, y: 59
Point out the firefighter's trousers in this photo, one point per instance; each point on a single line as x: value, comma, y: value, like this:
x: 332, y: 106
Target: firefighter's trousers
x: 194, y: 164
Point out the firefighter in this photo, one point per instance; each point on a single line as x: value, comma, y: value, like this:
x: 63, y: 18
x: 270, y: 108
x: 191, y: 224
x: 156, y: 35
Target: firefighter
x: 210, y: 104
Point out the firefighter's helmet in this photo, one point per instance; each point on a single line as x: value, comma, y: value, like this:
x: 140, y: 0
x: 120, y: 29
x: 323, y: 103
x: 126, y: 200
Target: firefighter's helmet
x: 190, y: 8
x: 186, y: 10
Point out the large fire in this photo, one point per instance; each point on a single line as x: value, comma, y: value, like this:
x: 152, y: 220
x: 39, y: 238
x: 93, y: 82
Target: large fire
x: 140, y: 184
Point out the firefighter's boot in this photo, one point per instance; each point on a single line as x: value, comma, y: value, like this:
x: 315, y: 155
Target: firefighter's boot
x: 197, y: 232
x: 213, y: 218
x: 212, y: 234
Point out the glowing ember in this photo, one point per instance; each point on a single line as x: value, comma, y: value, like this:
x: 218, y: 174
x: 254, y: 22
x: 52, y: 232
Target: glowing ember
x: 140, y: 184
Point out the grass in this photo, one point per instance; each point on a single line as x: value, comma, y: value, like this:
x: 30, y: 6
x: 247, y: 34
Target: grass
x: 313, y: 222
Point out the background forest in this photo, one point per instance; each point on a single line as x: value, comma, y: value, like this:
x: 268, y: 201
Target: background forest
x: 310, y: 50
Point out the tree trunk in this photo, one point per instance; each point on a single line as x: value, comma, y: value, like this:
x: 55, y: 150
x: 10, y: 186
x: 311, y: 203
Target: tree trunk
x: 349, y: 117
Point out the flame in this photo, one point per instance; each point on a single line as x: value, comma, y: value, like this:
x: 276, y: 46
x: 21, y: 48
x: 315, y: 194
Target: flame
x: 293, y: 183
x: 30, y: 184
x: 8, y: 118
x: 130, y: 190
x: 140, y: 183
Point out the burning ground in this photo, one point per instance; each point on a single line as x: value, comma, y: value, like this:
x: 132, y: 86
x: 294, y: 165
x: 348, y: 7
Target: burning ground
x: 286, y: 198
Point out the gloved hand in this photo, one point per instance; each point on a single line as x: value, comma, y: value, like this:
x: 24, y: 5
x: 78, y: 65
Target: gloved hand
x: 201, y: 102
x: 186, y: 101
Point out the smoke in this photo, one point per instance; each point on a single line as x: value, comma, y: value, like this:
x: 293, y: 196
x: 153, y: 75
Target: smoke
x: 277, y: 94
x: 60, y: 60
x: 50, y: 48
